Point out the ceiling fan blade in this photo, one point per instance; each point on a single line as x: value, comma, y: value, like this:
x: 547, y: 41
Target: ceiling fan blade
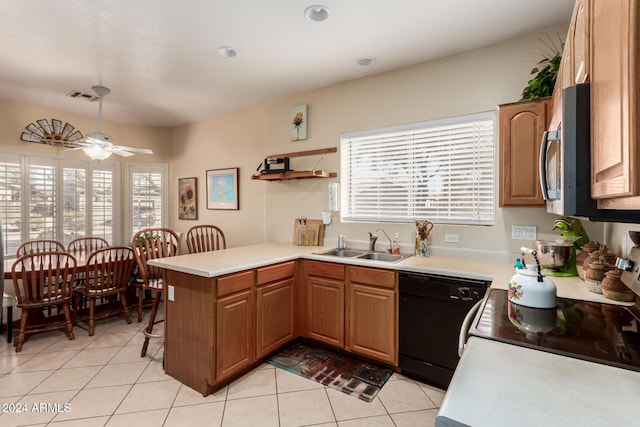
x: 122, y: 153
x: 133, y: 149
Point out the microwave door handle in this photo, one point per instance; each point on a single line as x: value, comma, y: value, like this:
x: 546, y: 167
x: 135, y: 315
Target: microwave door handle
x: 464, y: 329
x: 543, y: 165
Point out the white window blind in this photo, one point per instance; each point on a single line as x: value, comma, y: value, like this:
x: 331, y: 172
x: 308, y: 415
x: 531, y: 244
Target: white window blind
x: 103, y: 183
x: 42, y: 200
x: 147, y: 193
x: 46, y: 197
x: 440, y: 170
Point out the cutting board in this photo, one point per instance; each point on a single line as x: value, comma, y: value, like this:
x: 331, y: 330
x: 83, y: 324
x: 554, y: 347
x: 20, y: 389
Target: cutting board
x: 315, y: 232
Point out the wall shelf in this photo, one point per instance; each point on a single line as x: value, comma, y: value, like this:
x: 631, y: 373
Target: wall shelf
x: 295, y: 175
x: 305, y: 174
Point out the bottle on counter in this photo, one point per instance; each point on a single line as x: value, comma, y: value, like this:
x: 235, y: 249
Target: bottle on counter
x: 395, y: 245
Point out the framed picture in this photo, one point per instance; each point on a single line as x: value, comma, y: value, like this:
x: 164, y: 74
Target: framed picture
x: 299, y: 122
x: 222, y: 189
x: 188, y: 198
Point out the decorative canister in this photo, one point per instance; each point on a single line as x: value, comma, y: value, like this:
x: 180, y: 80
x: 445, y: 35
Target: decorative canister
x: 613, y: 288
x: 595, y: 256
x: 596, y: 273
x: 583, y: 254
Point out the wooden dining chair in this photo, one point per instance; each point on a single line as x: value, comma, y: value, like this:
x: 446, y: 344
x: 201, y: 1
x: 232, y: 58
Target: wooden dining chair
x: 41, y: 280
x: 147, y: 244
x: 41, y: 245
x: 86, y: 245
x: 107, y: 274
x: 205, y: 238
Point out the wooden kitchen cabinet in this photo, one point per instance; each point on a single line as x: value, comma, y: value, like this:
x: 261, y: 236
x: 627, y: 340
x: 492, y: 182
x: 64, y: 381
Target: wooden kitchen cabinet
x: 274, y: 306
x: 522, y: 125
x: 578, y: 43
x: 372, y: 321
x: 325, y: 296
x: 235, y: 324
x: 615, y: 154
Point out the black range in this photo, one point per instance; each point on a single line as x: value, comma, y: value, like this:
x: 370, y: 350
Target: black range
x: 597, y: 332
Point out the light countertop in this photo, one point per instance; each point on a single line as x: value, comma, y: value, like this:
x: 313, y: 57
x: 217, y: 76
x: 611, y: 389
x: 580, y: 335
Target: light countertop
x: 497, y: 384
x: 218, y: 263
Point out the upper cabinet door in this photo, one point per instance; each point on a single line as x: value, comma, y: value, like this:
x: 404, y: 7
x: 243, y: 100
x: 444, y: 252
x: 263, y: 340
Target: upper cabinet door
x: 614, y: 76
x: 522, y: 125
x: 579, y: 39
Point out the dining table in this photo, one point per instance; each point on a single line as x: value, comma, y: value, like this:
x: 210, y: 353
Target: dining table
x: 81, y: 262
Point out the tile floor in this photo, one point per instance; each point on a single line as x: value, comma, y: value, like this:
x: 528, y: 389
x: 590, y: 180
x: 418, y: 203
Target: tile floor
x: 103, y: 381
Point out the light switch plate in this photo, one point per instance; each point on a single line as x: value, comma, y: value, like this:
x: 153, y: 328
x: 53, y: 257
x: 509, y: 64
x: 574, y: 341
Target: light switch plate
x: 170, y: 293
x: 524, y: 232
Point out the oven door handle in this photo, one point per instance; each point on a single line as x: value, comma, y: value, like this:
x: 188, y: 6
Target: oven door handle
x: 466, y: 323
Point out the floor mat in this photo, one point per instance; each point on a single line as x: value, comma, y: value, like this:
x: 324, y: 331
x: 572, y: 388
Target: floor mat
x: 349, y: 375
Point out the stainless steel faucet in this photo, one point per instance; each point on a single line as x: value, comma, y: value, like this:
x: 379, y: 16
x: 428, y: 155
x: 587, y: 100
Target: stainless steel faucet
x: 372, y: 241
x: 390, y: 248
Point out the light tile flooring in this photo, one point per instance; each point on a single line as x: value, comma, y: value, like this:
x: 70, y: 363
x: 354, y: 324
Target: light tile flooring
x: 103, y: 381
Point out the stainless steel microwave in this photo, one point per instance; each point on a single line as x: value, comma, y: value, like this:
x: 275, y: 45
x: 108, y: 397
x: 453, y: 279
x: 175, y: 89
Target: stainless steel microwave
x: 565, y: 163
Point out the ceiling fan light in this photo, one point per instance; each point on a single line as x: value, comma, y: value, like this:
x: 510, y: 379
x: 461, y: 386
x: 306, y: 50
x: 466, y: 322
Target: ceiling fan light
x: 97, y: 152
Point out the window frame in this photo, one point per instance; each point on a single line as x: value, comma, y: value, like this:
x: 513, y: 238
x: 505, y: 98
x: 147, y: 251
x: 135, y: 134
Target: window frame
x: 131, y: 168
x: 402, y: 145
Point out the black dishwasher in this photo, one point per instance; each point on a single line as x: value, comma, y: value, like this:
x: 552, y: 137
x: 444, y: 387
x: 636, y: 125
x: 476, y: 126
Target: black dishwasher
x: 431, y: 312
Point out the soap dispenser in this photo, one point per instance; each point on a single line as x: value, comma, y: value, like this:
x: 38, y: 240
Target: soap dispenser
x: 395, y: 245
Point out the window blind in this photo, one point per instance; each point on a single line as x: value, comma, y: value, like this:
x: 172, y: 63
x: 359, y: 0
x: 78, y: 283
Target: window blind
x: 440, y: 170
x: 102, y: 204
x: 42, y: 200
x: 10, y: 205
x: 45, y: 197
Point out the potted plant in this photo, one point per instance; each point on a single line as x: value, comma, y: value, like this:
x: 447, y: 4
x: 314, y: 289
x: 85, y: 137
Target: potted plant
x: 546, y: 72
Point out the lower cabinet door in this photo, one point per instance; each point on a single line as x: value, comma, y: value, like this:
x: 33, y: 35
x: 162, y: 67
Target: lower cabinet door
x: 274, y: 316
x: 372, y: 322
x: 235, y: 342
x: 326, y: 310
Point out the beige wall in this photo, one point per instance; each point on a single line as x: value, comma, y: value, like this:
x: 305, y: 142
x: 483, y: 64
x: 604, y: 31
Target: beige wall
x: 469, y: 82
x: 465, y: 83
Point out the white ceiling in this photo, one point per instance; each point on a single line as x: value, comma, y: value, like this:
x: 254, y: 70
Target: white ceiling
x: 159, y: 57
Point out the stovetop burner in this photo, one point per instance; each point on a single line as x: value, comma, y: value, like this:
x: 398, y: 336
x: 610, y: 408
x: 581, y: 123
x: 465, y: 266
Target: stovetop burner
x: 602, y: 333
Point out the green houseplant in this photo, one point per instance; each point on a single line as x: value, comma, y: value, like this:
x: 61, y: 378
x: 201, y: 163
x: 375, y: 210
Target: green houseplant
x: 545, y: 78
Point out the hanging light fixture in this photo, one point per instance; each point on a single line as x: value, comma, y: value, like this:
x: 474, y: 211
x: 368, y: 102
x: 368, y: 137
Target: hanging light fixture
x: 97, y: 151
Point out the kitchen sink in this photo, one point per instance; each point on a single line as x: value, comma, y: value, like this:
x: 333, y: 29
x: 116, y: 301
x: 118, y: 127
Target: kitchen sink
x: 378, y: 256
x: 349, y: 253
x: 352, y: 253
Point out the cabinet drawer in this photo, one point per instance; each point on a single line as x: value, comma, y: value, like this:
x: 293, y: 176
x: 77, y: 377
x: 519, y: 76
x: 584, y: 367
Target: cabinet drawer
x: 235, y: 282
x: 276, y: 272
x: 325, y: 269
x: 373, y: 276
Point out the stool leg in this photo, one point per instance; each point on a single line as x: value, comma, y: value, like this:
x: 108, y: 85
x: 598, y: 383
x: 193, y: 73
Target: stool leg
x: 152, y: 319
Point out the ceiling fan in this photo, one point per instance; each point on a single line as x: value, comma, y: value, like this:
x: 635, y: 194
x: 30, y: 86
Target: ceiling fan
x: 98, y: 145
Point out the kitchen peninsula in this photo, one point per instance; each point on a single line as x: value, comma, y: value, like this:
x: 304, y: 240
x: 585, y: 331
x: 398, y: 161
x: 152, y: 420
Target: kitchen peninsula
x: 226, y: 311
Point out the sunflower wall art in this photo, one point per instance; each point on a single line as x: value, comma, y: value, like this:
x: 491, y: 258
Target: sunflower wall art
x: 187, y: 198
x: 299, y: 122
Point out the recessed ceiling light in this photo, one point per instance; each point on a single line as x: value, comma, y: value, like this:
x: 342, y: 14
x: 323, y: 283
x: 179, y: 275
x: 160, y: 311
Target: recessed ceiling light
x: 317, y: 13
x: 227, y: 51
x: 366, y: 61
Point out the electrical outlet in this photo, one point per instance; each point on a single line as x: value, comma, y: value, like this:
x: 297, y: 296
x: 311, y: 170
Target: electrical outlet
x: 451, y: 238
x: 524, y: 232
